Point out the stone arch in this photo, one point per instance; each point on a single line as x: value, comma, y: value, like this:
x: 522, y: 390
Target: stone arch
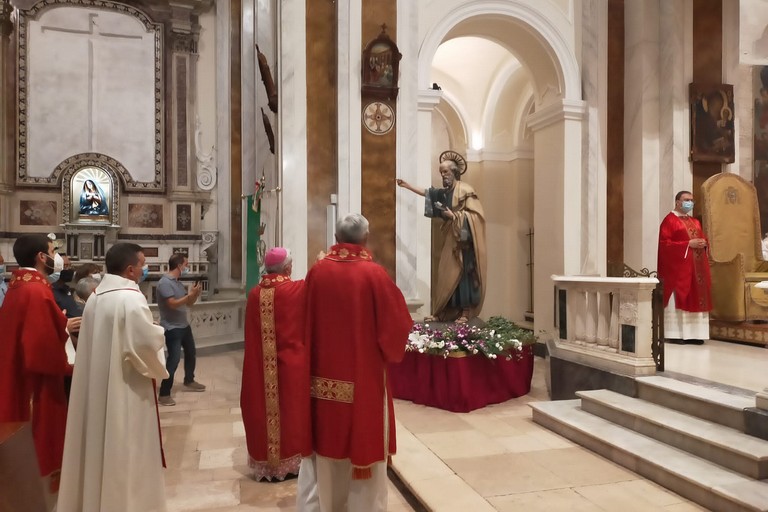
x: 547, y: 44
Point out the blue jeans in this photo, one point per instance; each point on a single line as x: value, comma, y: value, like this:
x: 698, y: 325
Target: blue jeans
x: 175, y: 340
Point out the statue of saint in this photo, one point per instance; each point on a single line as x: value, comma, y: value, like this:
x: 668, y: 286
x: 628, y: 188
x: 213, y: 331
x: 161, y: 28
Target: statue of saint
x: 460, y: 288
x: 92, y: 200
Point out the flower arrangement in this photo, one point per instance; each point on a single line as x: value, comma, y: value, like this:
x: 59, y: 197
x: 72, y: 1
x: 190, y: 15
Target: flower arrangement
x: 498, y: 338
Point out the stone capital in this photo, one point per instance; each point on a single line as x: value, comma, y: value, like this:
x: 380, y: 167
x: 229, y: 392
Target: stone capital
x: 429, y: 99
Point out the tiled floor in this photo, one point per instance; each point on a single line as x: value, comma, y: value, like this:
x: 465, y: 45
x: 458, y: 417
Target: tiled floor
x: 495, y: 458
x: 204, y: 444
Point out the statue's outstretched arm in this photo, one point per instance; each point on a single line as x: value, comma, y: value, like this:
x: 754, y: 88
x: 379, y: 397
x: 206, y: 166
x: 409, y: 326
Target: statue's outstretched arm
x: 404, y: 184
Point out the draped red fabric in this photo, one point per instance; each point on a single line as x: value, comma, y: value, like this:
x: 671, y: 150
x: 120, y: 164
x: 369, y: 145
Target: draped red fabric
x: 460, y: 384
x: 33, y: 363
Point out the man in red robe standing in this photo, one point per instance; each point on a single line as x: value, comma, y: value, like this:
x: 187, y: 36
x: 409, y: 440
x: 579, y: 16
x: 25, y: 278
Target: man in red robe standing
x: 33, y: 360
x: 683, y: 267
x: 357, y: 323
x: 275, y: 390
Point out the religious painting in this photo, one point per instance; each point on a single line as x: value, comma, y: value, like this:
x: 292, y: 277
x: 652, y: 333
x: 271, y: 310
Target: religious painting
x: 760, y: 141
x: 712, y: 123
x: 145, y: 215
x: 37, y: 213
x: 91, y: 189
x: 381, y: 62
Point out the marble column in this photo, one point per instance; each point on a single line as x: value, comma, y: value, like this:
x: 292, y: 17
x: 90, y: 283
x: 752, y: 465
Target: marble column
x: 675, y: 65
x: 641, y: 134
x: 292, y: 84
x: 594, y: 149
x: 349, y: 105
x: 7, y: 116
x: 411, y: 207
x: 558, y: 201
x: 411, y: 225
x: 223, y: 146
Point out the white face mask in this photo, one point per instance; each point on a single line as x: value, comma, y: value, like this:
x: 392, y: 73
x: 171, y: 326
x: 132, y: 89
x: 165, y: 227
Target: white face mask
x: 96, y: 277
x: 58, y: 263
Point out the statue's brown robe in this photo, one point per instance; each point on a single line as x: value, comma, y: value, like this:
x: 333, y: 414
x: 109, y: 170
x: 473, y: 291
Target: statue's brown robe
x: 465, y: 205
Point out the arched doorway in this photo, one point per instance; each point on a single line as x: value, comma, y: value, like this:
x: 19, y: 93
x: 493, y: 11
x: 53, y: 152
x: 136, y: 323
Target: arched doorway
x: 538, y: 45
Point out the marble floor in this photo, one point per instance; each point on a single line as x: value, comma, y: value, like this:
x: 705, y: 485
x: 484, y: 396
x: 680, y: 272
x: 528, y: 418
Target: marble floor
x: 494, y: 458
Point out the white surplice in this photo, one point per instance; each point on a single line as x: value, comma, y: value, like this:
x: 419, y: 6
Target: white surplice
x: 112, y: 456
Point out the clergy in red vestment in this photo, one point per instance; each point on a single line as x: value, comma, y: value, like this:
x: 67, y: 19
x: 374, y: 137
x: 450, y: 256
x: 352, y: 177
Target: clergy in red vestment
x: 33, y: 360
x: 357, y: 323
x: 274, y: 397
x: 683, y: 267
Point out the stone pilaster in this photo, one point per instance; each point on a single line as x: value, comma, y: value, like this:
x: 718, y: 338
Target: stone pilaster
x: 7, y: 116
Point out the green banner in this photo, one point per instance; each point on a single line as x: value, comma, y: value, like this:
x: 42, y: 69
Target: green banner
x: 253, y: 252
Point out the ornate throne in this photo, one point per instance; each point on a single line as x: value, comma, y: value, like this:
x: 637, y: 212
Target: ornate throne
x: 732, y: 224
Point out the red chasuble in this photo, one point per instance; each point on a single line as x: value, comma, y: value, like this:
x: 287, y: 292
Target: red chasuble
x: 275, y: 391
x: 33, y: 363
x: 357, y: 323
x: 684, y: 270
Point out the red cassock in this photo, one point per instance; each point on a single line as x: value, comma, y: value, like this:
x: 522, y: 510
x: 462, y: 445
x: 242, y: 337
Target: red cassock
x: 275, y: 391
x: 33, y: 363
x: 684, y: 270
x: 357, y: 323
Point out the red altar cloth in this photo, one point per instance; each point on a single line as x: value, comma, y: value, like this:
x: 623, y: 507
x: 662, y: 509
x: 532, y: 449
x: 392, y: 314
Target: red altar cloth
x: 460, y: 384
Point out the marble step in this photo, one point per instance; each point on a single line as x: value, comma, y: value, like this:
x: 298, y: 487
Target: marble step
x: 717, y: 443
x: 692, y: 477
x: 703, y: 402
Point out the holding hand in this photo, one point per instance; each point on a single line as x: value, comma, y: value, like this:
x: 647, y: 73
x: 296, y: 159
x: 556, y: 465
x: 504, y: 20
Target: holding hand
x: 697, y: 243
x: 73, y: 325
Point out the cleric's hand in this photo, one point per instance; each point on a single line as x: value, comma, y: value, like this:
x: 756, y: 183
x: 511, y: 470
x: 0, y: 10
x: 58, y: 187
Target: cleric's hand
x: 73, y: 325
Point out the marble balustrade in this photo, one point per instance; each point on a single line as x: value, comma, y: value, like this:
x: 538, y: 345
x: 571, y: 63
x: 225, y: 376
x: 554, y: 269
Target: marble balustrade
x: 605, y: 322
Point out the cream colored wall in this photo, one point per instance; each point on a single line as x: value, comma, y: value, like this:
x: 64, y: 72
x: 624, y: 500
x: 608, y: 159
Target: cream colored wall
x: 505, y: 190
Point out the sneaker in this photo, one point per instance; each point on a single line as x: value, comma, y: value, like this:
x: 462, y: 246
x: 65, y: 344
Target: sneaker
x: 166, y: 400
x: 194, y: 386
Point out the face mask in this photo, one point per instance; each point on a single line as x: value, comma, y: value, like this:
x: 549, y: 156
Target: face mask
x: 52, y: 278
x: 2, y: 269
x: 144, y: 273
x: 185, y: 271
x: 686, y: 206
x: 58, y: 263
x: 96, y: 277
x: 67, y: 275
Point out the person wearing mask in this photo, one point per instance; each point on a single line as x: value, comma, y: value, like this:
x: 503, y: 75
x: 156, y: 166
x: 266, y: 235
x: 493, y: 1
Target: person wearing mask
x: 33, y: 362
x: 62, y: 293
x: 113, y: 454
x: 683, y: 268
x: 88, y: 270
x: 173, y: 300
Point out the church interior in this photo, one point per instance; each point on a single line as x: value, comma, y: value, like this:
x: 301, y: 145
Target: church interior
x: 222, y: 128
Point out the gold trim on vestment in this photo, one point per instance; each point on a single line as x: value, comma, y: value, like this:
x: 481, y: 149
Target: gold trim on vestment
x: 330, y: 389
x: 269, y: 354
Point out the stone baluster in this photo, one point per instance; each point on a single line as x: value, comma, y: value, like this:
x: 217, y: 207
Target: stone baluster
x: 591, y: 317
x: 604, y: 318
x: 613, y: 335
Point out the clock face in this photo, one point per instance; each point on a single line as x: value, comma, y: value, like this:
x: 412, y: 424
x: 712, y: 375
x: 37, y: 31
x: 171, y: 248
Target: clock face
x: 378, y: 118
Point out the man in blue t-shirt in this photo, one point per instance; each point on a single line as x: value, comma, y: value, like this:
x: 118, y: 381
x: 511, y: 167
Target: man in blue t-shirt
x: 174, y: 301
